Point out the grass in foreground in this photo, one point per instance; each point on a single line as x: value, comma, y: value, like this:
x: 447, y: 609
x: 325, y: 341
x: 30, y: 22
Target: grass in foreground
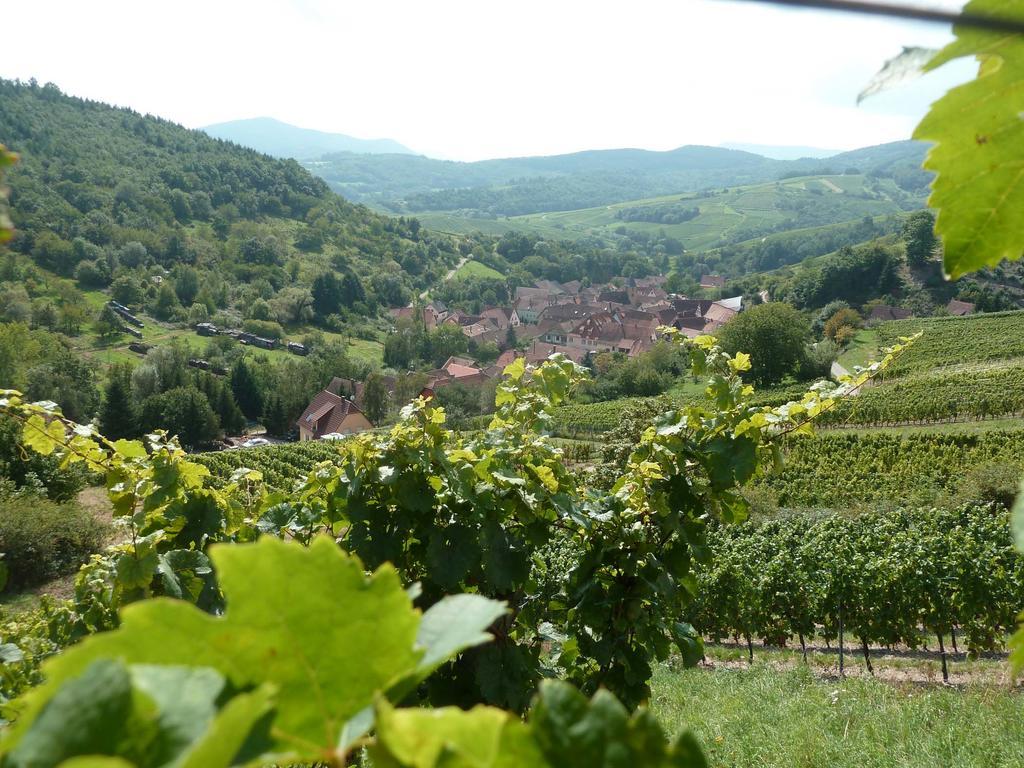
x: 762, y: 717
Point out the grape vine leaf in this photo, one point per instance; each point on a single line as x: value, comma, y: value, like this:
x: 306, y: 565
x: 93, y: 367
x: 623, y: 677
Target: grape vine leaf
x: 1016, y: 644
x: 144, y: 716
x: 483, y: 737
x: 900, y: 69
x: 564, y: 730
x: 978, y: 130
x: 306, y: 621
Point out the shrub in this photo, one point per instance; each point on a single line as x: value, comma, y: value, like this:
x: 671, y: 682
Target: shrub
x: 42, y: 539
x: 28, y: 469
x: 845, y: 335
x: 844, y: 318
x: 818, y: 359
x: 990, y: 482
x: 825, y: 314
x: 773, y: 335
x: 265, y: 328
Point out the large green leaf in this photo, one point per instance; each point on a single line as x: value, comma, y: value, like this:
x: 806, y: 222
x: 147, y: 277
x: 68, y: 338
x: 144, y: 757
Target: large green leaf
x: 143, y: 716
x: 979, y: 151
x: 307, y: 621
x: 483, y: 737
x: 565, y: 730
x: 82, y: 718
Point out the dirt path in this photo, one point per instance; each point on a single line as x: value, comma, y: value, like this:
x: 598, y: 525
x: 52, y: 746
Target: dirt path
x: 448, y: 276
x: 838, y: 370
x: 896, y: 666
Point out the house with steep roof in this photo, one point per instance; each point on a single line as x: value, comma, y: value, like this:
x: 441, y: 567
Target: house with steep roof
x: 569, y: 312
x: 434, y: 314
x: 529, y: 306
x: 457, y: 370
x: 884, y: 313
x: 687, y: 324
x: 638, y: 324
x: 539, y: 352
x: 605, y: 332
x: 691, y: 307
x: 465, y: 362
x: 614, y: 296
x: 502, y: 317
x: 331, y: 414
x: 572, y: 287
x: 960, y: 308
x: 642, y: 294
x: 461, y: 319
x: 718, y: 314
x: 551, y: 286
x: 506, y: 358
x: 712, y: 281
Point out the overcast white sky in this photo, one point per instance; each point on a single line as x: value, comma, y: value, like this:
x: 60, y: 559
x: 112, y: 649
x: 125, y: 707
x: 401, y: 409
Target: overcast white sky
x: 471, y: 79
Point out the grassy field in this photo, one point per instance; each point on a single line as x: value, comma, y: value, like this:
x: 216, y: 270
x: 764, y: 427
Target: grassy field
x: 476, y: 269
x: 156, y: 333
x: 726, y: 215
x: 765, y: 718
x: 862, y: 350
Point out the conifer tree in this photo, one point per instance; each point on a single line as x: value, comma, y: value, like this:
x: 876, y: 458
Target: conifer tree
x: 246, y: 390
x: 119, y: 417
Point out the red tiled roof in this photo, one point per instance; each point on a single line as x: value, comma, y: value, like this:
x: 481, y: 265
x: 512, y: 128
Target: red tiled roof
x: 326, y: 412
x: 457, y: 371
x: 540, y: 351
x: 717, y: 313
x: 466, y: 361
x: 506, y: 358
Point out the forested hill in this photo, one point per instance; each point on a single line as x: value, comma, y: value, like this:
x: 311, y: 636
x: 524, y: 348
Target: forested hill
x: 100, y: 188
x: 516, y: 186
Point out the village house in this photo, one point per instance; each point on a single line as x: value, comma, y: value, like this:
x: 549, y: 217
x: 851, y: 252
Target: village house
x: 331, y: 414
x: 434, y: 314
x: 503, y: 317
x: 507, y: 358
x: 550, y: 286
x: 529, y: 302
x: 712, y: 281
x: 885, y: 313
x: 613, y: 296
x: 353, y: 389
x: 457, y: 370
x: 605, y: 332
x: 959, y: 308
x: 643, y: 294
x: 572, y: 287
x: 540, y: 351
x: 717, y: 315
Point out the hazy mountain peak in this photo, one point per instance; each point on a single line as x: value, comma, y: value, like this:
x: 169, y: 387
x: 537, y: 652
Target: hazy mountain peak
x: 280, y: 139
x: 782, y: 152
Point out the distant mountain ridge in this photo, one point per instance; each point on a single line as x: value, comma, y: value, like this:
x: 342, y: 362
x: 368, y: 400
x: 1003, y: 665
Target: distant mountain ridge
x: 782, y: 152
x: 279, y: 139
x: 522, y: 185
